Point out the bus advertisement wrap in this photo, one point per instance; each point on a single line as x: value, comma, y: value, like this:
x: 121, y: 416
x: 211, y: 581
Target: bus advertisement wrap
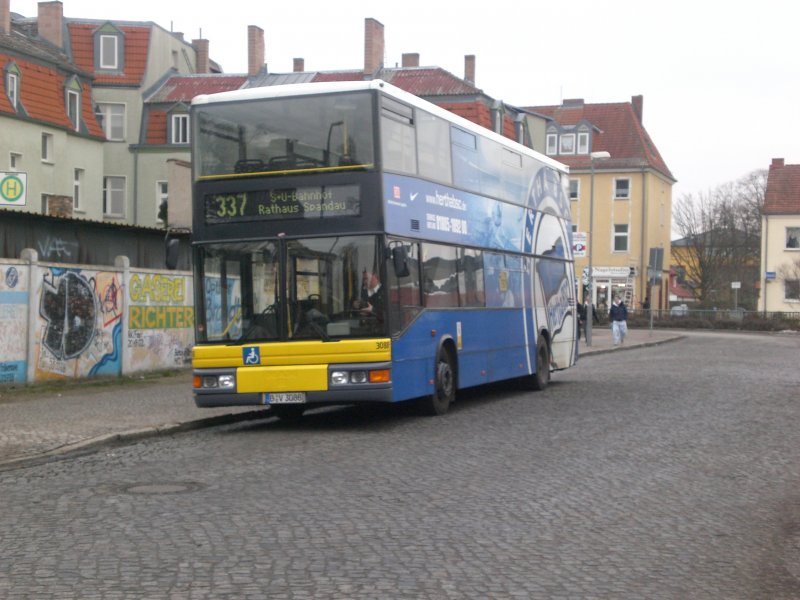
x: 419, y: 208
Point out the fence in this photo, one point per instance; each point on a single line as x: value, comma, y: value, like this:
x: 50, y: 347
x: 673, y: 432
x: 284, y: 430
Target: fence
x: 736, y: 318
x: 61, y: 321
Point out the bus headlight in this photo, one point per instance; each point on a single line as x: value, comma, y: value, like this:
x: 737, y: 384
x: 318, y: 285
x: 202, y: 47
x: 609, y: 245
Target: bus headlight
x: 358, y: 377
x: 210, y: 382
x: 227, y: 382
x: 339, y: 377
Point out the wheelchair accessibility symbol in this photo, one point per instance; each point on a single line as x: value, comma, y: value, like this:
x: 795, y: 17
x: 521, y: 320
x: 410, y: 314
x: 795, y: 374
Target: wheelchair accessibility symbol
x: 251, y: 355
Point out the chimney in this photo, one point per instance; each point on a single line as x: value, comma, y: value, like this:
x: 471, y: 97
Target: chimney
x: 411, y: 60
x: 299, y: 65
x: 777, y: 163
x: 638, y: 105
x: 51, y: 22
x: 373, y: 46
x: 5, y: 16
x: 201, y: 55
x: 255, y: 50
x: 469, y: 68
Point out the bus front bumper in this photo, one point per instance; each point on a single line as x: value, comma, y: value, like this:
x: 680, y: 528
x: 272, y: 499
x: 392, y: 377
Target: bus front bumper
x: 348, y: 393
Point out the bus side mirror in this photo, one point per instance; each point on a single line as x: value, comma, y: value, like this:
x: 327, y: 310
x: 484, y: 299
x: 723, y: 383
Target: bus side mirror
x: 400, y: 261
x: 172, y: 251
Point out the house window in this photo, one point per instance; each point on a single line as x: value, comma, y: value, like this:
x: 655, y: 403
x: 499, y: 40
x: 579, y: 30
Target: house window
x: 12, y: 86
x: 567, y: 144
x: 73, y: 109
x: 109, y: 52
x: 552, y: 143
x: 112, y: 119
x: 583, y: 143
x: 620, y: 238
x: 793, y: 238
x: 47, y: 147
x: 14, y: 161
x: 791, y: 290
x: 114, y: 196
x: 76, y: 189
x: 574, y: 189
x: 161, y: 201
x: 622, y: 189
x: 180, y: 129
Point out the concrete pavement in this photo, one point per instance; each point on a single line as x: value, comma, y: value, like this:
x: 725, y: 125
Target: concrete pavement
x: 39, y: 422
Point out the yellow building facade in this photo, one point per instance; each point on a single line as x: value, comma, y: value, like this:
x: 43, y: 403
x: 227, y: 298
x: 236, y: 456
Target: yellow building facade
x: 621, y: 200
x: 780, y: 240
x: 632, y: 214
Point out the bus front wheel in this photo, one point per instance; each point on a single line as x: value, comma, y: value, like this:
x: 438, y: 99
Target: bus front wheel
x: 444, y: 390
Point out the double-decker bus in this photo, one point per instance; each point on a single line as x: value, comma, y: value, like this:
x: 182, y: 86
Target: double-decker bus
x: 353, y: 243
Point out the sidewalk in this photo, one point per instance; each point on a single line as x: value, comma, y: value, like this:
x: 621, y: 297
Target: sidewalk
x: 40, y: 422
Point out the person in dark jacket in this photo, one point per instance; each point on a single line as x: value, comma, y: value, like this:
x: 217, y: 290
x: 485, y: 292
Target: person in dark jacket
x: 618, y: 314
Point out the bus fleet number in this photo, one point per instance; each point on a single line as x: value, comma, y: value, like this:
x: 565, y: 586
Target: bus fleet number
x: 382, y: 345
x: 231, y: 205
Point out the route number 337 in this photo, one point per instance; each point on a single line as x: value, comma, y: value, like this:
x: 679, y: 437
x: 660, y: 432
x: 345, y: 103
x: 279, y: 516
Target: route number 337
x: 230, y: 205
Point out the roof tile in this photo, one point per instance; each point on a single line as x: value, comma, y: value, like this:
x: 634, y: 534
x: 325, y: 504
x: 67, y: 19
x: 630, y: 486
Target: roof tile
x: 783, y: 189
x: 621, y: 134
x: 137, y: 40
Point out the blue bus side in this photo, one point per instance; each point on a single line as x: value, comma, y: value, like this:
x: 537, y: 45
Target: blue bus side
x: 493, y: 348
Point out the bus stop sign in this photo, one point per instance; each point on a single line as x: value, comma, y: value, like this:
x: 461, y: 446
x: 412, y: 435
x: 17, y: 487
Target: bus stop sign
x: 13, y: 188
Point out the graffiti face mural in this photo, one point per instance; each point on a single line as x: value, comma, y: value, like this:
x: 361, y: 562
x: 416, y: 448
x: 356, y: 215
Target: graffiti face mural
x: 80, y: 324
x: 69, y: 308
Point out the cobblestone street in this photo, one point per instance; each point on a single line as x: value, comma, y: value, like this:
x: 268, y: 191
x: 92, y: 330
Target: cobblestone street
x: 666, y: 472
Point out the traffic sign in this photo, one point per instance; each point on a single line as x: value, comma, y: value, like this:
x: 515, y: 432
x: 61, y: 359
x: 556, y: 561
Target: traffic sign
x: 13, y: 188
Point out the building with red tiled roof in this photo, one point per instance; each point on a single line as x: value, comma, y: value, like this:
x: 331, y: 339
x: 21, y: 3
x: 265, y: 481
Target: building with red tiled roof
x: 434, y: 84
x: 46, y: 113
x: 780, y: 239
x: 74, y: 90
x: 621, y: 192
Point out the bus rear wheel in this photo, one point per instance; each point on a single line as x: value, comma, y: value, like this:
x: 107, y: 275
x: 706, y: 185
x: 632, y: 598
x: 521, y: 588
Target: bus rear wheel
x: 541, y: 379
x: 444, y: 391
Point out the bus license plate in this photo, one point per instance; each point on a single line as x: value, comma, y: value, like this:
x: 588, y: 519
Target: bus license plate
x: 285, y: 398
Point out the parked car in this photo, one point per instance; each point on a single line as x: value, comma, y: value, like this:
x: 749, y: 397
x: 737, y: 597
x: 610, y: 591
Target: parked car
x: 681, y: 310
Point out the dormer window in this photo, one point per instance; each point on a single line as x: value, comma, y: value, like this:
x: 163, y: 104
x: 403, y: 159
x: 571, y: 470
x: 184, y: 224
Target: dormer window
x: 583, y: 143
x: 552, y: 144
x: 567, y: 144
x: 180, y: 128
x: 73, y: 102
x: 109, y: 58
x: 109, y: 48
x: 12, y: 85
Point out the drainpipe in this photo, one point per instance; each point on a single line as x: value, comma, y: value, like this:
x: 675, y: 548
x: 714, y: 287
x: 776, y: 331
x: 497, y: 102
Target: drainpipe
x: 642, y: 265
x: 135, y: 186
x: 765, y: 238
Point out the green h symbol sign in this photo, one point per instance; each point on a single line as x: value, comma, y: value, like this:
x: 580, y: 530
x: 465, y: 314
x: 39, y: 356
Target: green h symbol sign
x: 12, y: 189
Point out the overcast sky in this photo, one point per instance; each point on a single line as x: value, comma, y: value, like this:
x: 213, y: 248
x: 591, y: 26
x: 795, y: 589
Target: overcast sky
x: 720, y: 80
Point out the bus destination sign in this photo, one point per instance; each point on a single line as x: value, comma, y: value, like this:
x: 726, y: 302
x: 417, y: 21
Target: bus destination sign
x: 286, y: 203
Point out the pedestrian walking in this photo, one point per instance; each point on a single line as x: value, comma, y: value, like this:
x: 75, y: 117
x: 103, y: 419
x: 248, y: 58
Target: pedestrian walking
x: 619, y: 320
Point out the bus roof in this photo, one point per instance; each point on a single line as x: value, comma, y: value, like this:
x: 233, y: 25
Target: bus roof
x: 304, y: 89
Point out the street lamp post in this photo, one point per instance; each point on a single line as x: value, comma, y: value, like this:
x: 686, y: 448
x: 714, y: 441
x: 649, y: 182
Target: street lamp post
x: 590, y: 308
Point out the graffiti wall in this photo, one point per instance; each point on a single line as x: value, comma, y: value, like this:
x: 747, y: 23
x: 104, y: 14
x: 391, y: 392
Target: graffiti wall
x: 60, y: 321
x: 14, y: 300
x: 160, y: 326
x: 78, y: 331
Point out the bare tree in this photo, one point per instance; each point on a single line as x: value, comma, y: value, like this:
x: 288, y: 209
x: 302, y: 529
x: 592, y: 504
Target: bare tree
x: 721, y: 239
